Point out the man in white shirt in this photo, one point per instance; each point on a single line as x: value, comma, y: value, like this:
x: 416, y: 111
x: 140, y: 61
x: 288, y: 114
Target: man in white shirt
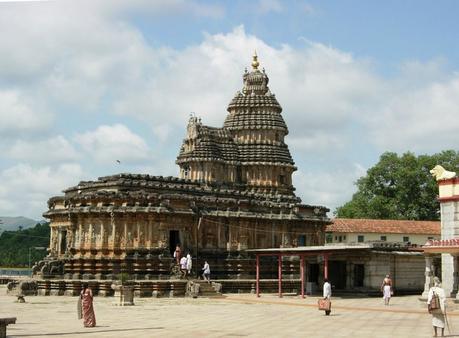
x: 183, y: 265
x: 327, y: 293
x: 206, y: 272
x: 189, y: 263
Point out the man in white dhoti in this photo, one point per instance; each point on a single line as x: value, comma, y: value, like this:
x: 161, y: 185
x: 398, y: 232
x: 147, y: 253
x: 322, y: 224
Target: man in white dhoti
x: 189, y: 263
x: 327, y: 293
x: 438, y: 315
x: 386, y: 288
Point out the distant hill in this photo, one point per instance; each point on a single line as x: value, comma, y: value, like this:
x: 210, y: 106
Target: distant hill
x: 13, y: 223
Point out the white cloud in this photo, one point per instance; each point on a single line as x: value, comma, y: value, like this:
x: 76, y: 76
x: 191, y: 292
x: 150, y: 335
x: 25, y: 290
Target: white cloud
x: 107, y: 144
x: 18, y: 115
x: 53, y: 150
x: 331, y: 188
x: 320, y: 88
x: 423, y: 119
x: 333, y: 101
x: 156, y: 8
x: 26, y: 189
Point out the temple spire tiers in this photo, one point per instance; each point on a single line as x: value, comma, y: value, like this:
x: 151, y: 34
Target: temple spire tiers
x: 249, y: 149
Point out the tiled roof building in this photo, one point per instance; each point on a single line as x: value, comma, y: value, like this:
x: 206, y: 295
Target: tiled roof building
x: 349, y: 230
x: 354, y: 225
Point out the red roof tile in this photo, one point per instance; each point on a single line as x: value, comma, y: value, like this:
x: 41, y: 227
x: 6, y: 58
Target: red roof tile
x: 345, y: 225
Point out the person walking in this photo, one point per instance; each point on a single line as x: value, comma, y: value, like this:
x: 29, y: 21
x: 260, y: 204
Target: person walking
x: 189, y: 263
x: 206, y: 272
x: 436, y: 304
x: 327, y: 294
x: 386, y: 289
x: 87, y: 308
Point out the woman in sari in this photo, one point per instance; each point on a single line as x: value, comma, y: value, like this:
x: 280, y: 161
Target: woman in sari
x: 89, y: 318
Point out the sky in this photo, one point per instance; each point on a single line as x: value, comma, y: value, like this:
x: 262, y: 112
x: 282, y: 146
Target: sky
x: 86, y: 83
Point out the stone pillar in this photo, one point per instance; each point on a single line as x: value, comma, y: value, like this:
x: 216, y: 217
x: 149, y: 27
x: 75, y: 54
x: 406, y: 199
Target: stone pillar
x: 428, y: 276
x: 449, y: 209
x: 114, y: 244
x: 125, y: 234
x: 447, y: 274
x: 102, y: 234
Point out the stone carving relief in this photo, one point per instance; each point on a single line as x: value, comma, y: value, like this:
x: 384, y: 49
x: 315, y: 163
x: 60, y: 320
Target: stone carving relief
x: 53, y: 246
x: 70, y: 239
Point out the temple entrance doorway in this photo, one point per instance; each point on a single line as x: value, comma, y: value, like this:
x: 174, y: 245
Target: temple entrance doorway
x: 359, y: 275
x: 63, y: 246
x: 337, y: 274
x: 174, y: 239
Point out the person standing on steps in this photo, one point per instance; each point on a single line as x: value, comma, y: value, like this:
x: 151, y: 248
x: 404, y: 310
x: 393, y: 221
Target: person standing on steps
x: 177, y: 253
x: 206, y: 272
x: 189, y: 263
x: 183, y: 262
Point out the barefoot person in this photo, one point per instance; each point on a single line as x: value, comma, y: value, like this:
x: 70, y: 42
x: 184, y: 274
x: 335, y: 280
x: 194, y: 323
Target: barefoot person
x: 327, y: 293
x: 206, y: 272
x: 183, y: 266
x: 89, y: 318
x: 436, y: 303
x: 386, y: 288
x: 189, y: 263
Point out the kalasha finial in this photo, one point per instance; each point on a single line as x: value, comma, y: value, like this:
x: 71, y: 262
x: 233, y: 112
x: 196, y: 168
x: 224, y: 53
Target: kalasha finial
x: 255, y: 62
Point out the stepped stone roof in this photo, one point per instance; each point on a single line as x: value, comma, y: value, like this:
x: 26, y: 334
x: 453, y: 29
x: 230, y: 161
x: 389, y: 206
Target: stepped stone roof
x: 213, y: 144
x: 253, y: 108
x: 132, y: 193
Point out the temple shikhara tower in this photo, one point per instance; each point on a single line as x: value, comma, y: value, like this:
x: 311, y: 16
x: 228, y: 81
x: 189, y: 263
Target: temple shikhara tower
x: 234, y: 192
x: 249, y: 149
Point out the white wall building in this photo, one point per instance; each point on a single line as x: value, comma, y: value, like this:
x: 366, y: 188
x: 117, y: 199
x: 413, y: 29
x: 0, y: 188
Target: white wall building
x: 347, y: 231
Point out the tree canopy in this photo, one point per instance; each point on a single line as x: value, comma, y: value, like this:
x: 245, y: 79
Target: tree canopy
x: 15, y: 245
x: 399, y: 187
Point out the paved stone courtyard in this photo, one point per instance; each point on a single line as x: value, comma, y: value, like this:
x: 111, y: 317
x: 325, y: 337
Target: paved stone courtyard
x: 231, y: 316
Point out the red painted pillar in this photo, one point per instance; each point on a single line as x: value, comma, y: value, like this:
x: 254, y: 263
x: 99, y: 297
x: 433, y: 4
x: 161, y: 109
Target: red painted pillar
x: 258, y: 276
x: 302, y: 275
x: 280, y: 274
x: 325, y: 265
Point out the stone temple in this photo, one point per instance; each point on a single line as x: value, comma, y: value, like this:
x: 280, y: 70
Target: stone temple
x: 234, y: 192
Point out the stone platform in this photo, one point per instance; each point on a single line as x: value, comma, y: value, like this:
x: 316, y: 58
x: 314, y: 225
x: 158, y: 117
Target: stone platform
x: 159, y: 288
x: 231, y: 316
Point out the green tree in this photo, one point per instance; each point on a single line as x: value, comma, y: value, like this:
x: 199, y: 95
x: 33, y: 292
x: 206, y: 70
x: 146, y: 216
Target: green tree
x: 399, y: 187
x: 14, y: 245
